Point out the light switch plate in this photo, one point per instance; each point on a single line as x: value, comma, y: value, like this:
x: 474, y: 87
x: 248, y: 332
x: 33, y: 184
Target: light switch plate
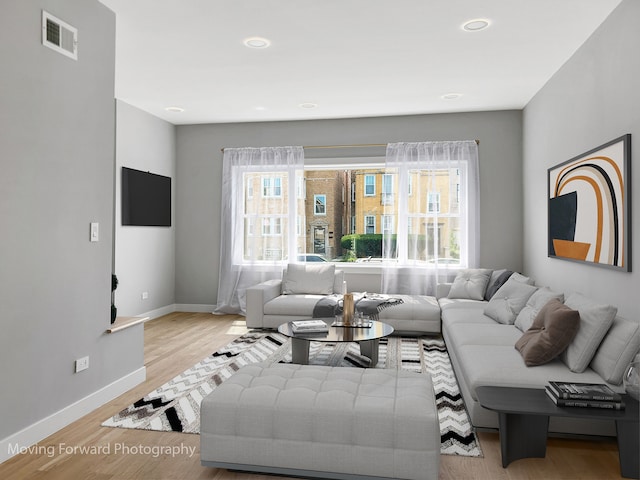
x: 95, y: 233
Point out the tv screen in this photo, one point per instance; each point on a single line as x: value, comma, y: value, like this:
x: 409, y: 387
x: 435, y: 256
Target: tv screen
x: 146, y: 198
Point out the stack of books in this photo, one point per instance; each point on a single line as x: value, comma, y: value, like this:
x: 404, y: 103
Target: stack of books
x: 309, y: 326
x: 590, y: 395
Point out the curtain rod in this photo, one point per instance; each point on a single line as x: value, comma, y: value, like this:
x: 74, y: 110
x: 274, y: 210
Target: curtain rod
x: 355, y: 145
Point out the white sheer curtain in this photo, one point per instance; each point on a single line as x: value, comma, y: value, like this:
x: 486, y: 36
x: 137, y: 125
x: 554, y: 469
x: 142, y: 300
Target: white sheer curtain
x: 432, y: 226
x: 262, y: 211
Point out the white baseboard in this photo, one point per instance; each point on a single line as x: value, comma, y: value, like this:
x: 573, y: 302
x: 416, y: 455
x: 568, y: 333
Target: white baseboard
x: 178, y: 307
x: 51, y: 424
x: 158, y: 312
x: 194, y: 308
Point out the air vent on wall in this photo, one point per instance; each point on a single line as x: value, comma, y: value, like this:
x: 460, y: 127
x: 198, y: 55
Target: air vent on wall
x: 59, y: 36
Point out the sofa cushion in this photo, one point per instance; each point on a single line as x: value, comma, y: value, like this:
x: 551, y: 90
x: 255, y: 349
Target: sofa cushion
x: 455, y: 311
x: 460, y: 334
x: 461, y: 303
x: 293, y: 305
x: 301, y: 278
x: 539, y: 299
x: 619, y: 346
x: 508, y: 301
x: 553, y: 329
x: 595, y: 321
x: 413, y: 307
x: 503, y: 366
x: 471, y: 284
x: 498, y: 278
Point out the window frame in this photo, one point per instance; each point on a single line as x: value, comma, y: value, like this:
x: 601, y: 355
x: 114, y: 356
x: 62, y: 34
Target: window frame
x: 270, y: 189
x: 366, y: 224
x: 373, y: 185
x: 317, y: 197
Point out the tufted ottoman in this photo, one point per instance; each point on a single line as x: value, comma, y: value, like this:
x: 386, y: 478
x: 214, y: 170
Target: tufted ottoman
x: 329, y: 422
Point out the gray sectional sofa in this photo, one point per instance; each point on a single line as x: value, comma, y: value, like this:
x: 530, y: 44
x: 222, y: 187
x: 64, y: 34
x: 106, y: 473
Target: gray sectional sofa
x: 482, y: 349
x: 482, y: 315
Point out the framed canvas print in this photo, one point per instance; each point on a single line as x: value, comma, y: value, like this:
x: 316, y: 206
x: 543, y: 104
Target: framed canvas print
x: 589, y: 206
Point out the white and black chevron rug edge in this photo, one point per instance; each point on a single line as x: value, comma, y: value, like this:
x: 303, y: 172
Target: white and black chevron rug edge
x: 175, y: 406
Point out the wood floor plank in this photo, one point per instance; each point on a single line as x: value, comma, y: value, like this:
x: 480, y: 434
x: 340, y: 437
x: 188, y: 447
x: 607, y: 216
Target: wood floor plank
x: 177, y: 341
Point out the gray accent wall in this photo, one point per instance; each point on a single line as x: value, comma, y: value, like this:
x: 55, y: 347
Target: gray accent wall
x: 57, y: 128
x: 592, y: 99
x: 199, y: 181
x: 144, y: 256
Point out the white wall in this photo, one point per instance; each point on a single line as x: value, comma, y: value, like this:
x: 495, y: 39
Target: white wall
x: 57, y: 136
x: 199, y: 180
x: 592, y: 99
x: 144, y: 256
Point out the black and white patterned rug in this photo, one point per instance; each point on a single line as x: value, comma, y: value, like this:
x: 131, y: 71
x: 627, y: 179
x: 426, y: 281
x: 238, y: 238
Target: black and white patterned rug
x: 175, y: 406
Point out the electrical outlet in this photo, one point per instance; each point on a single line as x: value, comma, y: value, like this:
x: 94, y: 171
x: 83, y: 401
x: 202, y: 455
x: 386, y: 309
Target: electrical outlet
x: 82, y: 364
x: 145, y: 295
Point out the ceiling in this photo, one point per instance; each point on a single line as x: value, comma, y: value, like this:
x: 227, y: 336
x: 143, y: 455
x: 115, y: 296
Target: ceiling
x: 349, y: 58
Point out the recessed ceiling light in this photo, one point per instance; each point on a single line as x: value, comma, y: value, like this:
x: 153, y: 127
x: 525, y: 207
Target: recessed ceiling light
x: 476, y: 25
x: 256, y: 42
x: 451, y: 96
x: 308, y: 105
x: 260, y: 108
x: 174, y: 109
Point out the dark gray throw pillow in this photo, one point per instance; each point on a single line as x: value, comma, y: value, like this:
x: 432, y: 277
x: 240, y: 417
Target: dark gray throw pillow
x: 496, y: 284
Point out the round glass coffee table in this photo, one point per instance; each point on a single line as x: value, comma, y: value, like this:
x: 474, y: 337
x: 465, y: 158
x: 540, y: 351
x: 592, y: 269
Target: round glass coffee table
x: 367, y: 337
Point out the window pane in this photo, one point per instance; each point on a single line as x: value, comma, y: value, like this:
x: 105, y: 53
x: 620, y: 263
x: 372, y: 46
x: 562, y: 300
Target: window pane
x: 369, y: 185
x: 320, y: 202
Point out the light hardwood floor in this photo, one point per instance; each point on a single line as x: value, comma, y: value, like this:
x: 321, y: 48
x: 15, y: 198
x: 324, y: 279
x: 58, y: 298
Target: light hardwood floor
x: 177, y: 341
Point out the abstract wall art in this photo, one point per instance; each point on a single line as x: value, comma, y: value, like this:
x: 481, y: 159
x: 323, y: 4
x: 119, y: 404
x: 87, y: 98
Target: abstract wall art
x: 589, y: 206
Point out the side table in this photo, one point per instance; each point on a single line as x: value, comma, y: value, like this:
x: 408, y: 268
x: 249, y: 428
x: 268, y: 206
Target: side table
x: 524, y: 413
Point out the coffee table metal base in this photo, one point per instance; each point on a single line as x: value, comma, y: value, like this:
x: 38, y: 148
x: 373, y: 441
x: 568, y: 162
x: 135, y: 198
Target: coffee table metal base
x: 300, y: 350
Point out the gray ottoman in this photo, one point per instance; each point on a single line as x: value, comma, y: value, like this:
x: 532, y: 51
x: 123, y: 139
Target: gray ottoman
x: 329, y: 422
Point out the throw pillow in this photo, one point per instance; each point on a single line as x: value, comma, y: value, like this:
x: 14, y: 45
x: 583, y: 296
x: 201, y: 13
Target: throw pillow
x: 552, y: 330
x: 595, y: 321
x: 539, y: 299
x: 617, y: 350
x: 470, y: 284
x: 498, y: 278
x: 521, y: 278
x: 508, y: 301
x: 301, y: 278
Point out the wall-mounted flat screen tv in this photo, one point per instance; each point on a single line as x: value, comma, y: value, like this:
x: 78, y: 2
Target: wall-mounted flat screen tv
x: 146, y: 198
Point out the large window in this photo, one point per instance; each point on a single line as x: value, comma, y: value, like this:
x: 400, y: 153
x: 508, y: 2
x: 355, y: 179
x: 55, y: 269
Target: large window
x: 342, y: 201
